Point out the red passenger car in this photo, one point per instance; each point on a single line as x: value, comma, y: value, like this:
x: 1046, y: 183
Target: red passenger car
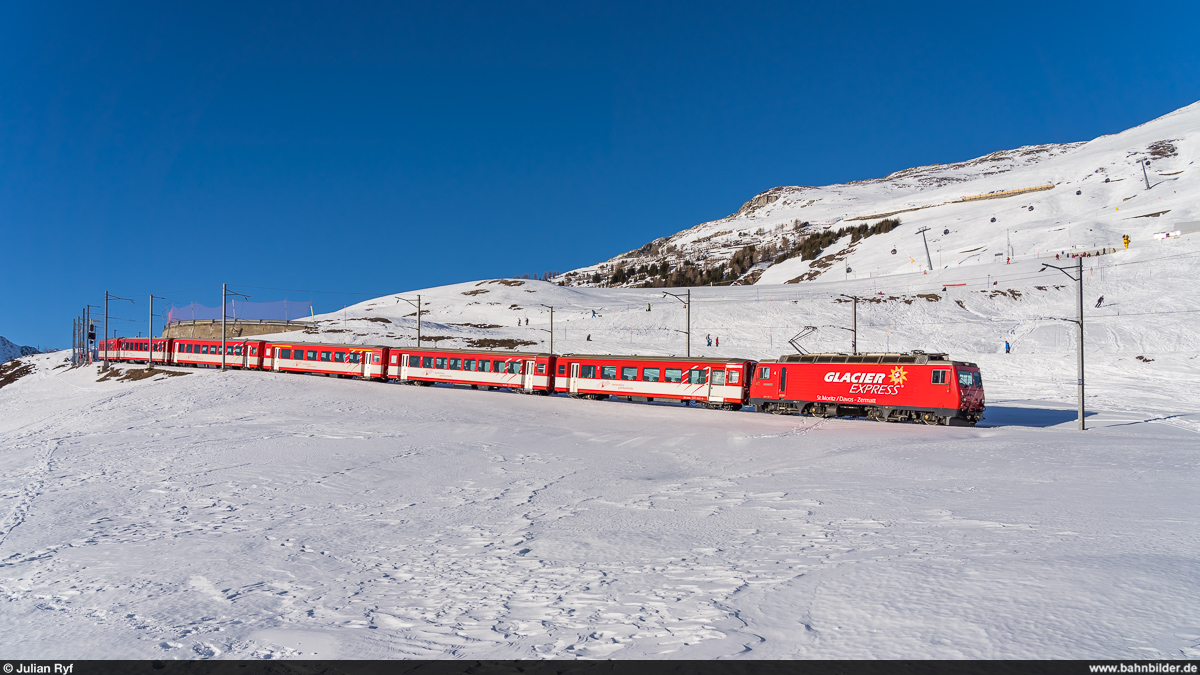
x: 714, y: 383
x: 207, y: 352
x: 328, y: 359
x: 527, y: 372
x: 885, y: 387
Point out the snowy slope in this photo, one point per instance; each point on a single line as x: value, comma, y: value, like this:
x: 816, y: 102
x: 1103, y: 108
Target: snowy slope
x: 10, y: 350
x: 1059, y: 220
x: 257, y: 515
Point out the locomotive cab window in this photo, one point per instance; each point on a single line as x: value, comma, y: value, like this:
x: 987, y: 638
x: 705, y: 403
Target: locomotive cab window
x: 967, y: 379
x: 650, y: 374
x: 940, y: 377
x: 674, y: 375
x: 764, y: 373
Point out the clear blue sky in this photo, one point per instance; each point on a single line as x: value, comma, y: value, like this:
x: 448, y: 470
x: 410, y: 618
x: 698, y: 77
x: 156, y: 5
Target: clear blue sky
x: 153, y: 147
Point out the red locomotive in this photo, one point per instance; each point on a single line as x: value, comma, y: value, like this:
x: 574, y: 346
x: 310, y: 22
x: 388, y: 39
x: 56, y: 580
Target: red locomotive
x: 884, y: 387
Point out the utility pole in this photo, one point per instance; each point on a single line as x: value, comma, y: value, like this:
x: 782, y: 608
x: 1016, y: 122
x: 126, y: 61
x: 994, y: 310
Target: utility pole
x: 928, y: 260
x: 418, y: 306
x: 225, y: 291
x: 1079, y: 279
x: 108, y: 296
x: 150, y: 361
x: 91, y: 330
x: 1144, y: 174
x: 854, y: 330
x: 74, y: 342
x: 551, y: 327
x: 687, y: 317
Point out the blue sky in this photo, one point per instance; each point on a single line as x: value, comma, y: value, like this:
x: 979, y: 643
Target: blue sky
x: 373, y: 148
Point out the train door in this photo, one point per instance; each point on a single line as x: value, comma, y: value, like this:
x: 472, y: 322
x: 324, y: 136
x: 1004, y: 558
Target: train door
x: 573, y: 380
x: 782, y: 382
x: 527, y: 377
x: 402, y: 372
x: 716, y: 380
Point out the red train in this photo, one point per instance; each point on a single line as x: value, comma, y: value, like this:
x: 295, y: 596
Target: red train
x: 886, y: 387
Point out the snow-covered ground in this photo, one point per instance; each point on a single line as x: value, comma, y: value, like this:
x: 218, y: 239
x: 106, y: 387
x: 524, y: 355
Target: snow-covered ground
x: 262, y: 515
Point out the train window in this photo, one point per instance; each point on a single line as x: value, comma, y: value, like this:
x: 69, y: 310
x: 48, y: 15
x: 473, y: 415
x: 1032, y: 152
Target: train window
x: 587, y: 371
x: 939, y: 376
x: 697, y: 376
x: 339, y: 357
x: 254, y: 351
x: 562, y: 369
x: 965, y: 379
x: 978, y: 379
x: 733, y: 377
x: 541, y: 369
x: 285, y: 353
x: 375, y: 358
x: 353, y: 357
x: 426, y: 361
x: 394, y: 357
x: 203, y: 349
x: 718, y: 377
x: 628, y: 372
x: 608, y: 372
x: 468, y: 364
x: 764, y: 372
x: 439, y: 362
x: 514, y: 367
x: 674, y: 375
x: 485, y: 366
x: 267, y: 352
x: 650, y: 374
x: 187, y: 349
x: 455, y: 364
x: 237, y: 351
x: 312, y: 355
x: 498, y: 366
x: 325, y: 356
x: 414, y: 362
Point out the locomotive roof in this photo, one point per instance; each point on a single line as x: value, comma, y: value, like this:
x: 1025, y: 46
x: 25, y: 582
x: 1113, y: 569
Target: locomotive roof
x: 685, y: 359
x: 874, y: 357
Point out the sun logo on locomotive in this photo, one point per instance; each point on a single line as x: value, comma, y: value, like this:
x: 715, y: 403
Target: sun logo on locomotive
x: 898, y: 375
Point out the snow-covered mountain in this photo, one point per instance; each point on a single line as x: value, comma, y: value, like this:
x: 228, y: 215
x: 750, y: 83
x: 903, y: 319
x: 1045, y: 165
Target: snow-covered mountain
x: 10, y: 350
x: 1034, y: 201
